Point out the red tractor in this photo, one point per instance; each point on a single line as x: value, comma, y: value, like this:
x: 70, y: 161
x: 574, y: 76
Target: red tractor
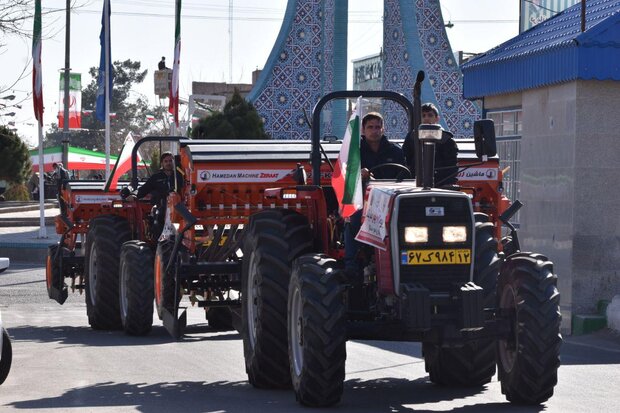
x: 438, y: 276
x: 113, y: 247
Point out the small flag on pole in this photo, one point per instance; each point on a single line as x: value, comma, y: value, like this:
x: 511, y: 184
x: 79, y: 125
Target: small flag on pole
x: 347, y: 178
x: 37, y: 83
x: 123, y: 163
x: 75, y: 101
x: 173, y: 106
x: 104, y: 39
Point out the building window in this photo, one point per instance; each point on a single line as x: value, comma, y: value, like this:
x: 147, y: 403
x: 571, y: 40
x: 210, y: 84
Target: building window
x: 508, y: 130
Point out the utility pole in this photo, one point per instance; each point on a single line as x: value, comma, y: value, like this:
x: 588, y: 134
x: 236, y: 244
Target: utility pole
x: 230, y: 40
x: 583, y: 16
x: 67, y: 71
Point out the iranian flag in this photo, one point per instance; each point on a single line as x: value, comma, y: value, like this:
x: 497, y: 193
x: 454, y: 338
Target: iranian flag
x: 347, y: 178
x: 174, y: 85
x: 37, y: 83
x: 75, y: 101
x: 123, y: 163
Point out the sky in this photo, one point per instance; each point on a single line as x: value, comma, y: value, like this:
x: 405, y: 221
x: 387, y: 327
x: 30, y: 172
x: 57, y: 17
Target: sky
x: 143, y: 30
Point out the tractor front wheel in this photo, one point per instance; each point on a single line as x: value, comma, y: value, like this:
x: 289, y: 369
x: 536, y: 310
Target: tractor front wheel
x: 54, y: 280
x: 136, y: 288
x: 164, y: 280
x: 274, y: 239
x: 103, y: 250
x: 529, y: 357
x: 317, y: 332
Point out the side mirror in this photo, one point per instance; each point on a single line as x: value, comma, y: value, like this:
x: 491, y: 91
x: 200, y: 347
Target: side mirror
x: 484, y: 138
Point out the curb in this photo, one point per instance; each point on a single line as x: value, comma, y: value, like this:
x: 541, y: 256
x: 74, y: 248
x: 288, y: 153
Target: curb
x: 25, y: 208
x: 24, y: 222
x: 25, y: 253
x: 589, y: 323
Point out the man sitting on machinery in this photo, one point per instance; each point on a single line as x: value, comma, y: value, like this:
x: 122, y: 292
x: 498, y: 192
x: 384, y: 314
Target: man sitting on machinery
x: 159, y: 185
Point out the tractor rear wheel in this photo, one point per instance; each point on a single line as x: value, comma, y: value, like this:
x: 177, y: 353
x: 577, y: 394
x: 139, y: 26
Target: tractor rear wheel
x: 7, y: 356
x: 55, y: 283
x: 136, y: 288
x: 529, y: 358
x: 473, y: 364
x: 103, y: 250
x: 273, y: 240
x: 317, y: 333
x: 164, y: 280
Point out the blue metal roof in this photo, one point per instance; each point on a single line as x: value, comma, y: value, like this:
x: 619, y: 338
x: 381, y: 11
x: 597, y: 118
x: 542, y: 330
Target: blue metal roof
x: 552, y: 52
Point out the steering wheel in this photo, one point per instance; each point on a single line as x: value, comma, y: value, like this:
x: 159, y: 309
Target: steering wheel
x: 399, y: 177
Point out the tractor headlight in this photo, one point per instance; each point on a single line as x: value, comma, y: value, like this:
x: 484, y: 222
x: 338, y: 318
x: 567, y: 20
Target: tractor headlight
x: 415, y: 235
x: 430, y: 132
x: 454, y: 234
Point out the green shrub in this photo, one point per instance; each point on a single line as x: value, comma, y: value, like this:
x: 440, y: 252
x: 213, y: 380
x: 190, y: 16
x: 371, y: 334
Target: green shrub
x: 16, y: 192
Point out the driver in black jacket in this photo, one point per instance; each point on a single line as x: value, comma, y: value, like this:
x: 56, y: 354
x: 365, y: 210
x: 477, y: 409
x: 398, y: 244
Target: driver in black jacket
x: 375, y: 149
x: 161, y: 183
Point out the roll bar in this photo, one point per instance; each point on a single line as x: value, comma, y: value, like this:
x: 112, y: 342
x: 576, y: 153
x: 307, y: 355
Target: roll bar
x: 344, y: 94
x: 134, y: 153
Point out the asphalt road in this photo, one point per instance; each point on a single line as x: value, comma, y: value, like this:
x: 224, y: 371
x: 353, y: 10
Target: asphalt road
x: 60, y: 364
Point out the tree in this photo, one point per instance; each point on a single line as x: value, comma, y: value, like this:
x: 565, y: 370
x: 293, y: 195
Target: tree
x: 15, y: 164
x: 130, y: 115
x: 14, y: 16
x: 239, y: 119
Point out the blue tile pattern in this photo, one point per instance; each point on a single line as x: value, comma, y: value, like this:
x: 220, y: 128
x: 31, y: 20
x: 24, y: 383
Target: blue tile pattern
x: 414, y: 39
x: 302, y: 68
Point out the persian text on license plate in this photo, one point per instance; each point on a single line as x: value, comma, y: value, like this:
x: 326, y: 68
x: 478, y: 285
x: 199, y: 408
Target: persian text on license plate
x: 435, y: 257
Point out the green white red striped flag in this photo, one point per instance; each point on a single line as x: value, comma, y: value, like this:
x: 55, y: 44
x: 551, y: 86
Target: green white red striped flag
x: 173, y: 106
x: 37, y: 82
x: 123, y: 163
x: 75, y: 101
x: 347, y: 178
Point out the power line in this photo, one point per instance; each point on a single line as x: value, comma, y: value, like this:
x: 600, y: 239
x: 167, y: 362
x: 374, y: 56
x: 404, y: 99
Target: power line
x: 256, y: 19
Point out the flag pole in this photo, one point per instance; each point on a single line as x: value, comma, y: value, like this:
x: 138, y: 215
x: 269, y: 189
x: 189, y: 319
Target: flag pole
x: 106, y: 5
x: 174, y: 85
x: 37, y: 102
x: 42, y: 228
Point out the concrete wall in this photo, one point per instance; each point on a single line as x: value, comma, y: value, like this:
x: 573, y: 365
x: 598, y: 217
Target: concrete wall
x: 548, y: 181
x: 508, y: 100
x: 596, y: 218
x: 570, y: 161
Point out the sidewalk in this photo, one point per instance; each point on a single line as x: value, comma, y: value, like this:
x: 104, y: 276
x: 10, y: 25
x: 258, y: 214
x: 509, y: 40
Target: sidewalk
x: 19, y: 231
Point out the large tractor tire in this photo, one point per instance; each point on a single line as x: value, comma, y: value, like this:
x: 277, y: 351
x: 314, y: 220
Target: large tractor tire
x: 317, y: 331
x: 273, y: 240
x: 529, y: 358
x: 104, y: 239
x: 7, y: 356
x: 220, y: 318
x: 54, y: 279
x: 136, y: 288
x: 473, y: 364
x: 164, y: 281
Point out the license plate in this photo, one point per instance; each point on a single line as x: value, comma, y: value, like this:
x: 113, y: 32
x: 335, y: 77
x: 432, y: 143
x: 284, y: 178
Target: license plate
x: 435, y: 257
